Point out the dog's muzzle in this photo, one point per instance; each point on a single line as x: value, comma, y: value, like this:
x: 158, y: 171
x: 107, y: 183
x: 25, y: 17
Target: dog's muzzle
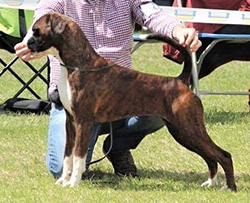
x: 32, y: 44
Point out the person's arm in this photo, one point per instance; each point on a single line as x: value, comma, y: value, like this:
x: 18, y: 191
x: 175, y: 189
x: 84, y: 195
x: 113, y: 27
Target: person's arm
x: 183, y: 3
x: 45, y: 6
x: 245, y: 6
x: 158, y: 21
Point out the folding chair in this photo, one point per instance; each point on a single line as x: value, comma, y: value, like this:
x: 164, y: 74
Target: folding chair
x: 13, y: 27
x: 217, y: 38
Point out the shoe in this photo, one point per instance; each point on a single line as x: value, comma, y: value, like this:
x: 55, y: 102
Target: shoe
x: 122, y: 162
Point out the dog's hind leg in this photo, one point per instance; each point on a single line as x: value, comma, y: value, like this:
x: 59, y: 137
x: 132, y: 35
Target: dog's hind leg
x: 188, y: 128
x: 225, y: 160
x: 69, y: 149
x: 213, y: 168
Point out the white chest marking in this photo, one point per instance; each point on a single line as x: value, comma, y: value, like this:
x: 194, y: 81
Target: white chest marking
x: 63, y: 84
x: 65, y: 90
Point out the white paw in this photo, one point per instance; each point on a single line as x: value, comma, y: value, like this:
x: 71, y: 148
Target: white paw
x: 210, y: 182
x: 68, y: 181
x: 62, y: 180
x: 206, y: 184
x: 71, y: 183
x: 225, y: 187
x: 74, y: 184
x: 75, y: 181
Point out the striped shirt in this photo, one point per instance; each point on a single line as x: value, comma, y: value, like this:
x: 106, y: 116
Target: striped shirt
x: 108, y: 25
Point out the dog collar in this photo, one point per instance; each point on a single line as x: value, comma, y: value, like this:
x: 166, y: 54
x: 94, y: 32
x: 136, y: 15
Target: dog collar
x: 87, y: 70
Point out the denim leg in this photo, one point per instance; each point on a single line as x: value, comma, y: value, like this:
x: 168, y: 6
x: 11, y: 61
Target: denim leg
x: 57, y: 141
x: 133, y: 131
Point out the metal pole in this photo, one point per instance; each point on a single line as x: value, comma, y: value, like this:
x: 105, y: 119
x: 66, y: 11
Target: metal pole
x: 194, y: 64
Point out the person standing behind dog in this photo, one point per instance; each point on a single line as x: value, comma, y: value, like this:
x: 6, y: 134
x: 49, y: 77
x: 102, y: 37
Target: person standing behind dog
x: 109, y: 26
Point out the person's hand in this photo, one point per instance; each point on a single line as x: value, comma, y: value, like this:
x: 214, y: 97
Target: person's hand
x: 23, y: 52
x: 187, y: 37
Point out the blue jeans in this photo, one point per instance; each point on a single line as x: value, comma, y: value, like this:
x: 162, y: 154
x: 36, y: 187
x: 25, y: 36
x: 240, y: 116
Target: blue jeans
x: 127, y: 134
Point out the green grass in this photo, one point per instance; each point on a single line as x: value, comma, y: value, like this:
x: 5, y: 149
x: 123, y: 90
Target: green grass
x: 168, y: 172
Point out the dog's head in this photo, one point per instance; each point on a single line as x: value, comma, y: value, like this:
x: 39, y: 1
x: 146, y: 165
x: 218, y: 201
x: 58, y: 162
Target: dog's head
x: 46, y: 34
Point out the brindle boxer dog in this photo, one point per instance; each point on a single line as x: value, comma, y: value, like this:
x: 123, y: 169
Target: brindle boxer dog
x: 93, y: 89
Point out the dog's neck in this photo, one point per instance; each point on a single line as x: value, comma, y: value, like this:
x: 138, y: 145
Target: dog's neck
x: 75, y: 50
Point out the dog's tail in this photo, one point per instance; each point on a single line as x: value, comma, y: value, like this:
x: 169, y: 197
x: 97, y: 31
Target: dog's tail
x: 187, y: 69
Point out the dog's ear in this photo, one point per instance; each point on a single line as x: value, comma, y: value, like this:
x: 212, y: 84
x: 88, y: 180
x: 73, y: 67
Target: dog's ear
x: 58, y: 25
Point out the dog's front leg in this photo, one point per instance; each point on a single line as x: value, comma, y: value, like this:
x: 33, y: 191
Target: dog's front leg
x: 69, y: 151
x: 83, y: 133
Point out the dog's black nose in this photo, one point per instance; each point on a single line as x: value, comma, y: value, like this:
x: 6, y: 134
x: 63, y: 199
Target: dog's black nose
x: 31, y: 43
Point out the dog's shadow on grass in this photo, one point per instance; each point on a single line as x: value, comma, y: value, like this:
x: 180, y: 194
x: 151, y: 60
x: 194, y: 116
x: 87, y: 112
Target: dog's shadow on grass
x: 152, y: 179
x: 223, y: 117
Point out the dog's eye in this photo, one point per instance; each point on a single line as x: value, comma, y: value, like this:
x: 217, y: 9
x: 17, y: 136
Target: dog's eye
x: 36, y: 32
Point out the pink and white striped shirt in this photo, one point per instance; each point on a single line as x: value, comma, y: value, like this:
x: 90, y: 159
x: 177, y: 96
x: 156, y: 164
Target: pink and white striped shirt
x: 108, y: 25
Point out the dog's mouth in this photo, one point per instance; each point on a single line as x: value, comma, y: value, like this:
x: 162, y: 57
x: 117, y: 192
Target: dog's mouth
x: 35, y: 45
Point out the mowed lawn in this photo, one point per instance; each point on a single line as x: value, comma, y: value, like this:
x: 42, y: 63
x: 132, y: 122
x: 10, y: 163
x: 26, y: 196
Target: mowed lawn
x: 168, y: 172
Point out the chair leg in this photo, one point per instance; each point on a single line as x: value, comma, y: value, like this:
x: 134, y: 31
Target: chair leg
x: 249, y: 99
x: 37, y: 72
x: 26, y: 85
x: 7, y: 66
x: 195, y: 75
